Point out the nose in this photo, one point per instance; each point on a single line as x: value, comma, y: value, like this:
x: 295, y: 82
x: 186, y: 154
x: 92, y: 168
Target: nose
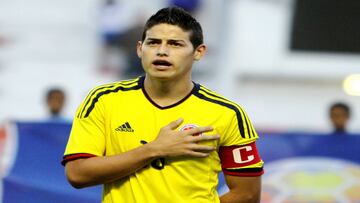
x: 162, y: 50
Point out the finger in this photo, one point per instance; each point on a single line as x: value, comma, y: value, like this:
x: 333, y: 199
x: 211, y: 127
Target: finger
x: 198, y: 154
x: 174, y: 124
x: 203, y: 148
x: 199, y: 130
x: 204, y: 138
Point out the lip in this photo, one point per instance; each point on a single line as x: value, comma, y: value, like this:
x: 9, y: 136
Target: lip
x: 160, y: 66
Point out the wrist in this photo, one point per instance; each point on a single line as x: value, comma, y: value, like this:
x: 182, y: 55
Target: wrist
x: 152, y: 150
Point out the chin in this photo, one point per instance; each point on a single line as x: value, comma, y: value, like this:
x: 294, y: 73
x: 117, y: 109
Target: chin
x: 161, y: 75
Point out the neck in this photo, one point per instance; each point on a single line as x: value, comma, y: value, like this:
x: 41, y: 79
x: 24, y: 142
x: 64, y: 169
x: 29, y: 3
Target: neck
x: 165, y: 93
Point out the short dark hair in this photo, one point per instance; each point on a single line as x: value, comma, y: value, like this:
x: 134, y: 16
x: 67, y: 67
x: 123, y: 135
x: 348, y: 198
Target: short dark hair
x: 341, y: 105
x: 50, y: 92
x: 179, y: 17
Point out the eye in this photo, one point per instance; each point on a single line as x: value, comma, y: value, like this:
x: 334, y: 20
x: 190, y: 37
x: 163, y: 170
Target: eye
x: 153, y: 42
x: 175, y: 44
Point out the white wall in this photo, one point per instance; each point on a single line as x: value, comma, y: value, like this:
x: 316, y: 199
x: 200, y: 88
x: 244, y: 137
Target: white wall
x: 48, y: 41
x: 279, y: 88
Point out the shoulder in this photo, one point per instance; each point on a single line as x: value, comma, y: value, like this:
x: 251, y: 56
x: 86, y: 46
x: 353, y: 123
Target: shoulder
x: 228, y: 110
x: 120, y: 86
x: 217, y: 99
x: 97, y: 95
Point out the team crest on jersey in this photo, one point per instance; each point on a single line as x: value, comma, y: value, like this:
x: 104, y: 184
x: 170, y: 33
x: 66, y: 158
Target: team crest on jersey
x: 190, y: 126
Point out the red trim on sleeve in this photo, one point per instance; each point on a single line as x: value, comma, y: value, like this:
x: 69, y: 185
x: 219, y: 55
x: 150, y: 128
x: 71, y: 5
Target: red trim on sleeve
x: 72, y: 157
x: 239, y: 156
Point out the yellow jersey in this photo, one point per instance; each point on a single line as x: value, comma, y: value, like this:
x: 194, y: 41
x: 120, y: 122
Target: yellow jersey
x: 118, y: 117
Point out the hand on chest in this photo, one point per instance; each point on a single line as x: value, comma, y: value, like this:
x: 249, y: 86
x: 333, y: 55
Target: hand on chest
x: 128, y: 131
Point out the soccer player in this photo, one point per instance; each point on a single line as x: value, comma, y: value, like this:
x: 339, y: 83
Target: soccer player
x: 161, y: 137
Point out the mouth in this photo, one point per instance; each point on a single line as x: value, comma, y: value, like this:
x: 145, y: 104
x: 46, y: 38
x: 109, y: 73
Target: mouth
x: 161, y: 64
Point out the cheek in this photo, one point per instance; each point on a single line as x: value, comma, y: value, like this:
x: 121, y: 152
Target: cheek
x: 145, y: 56
x: 186, y: 57
x: 188, y: 60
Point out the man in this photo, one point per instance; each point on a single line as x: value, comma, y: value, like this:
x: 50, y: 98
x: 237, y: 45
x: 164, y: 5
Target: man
x: 55, y: 101
x: 339, y: 114
x: 161, y: 137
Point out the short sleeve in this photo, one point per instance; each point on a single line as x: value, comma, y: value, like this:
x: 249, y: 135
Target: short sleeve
x: 239, y: 130
x: 238, y: 152
x: 87, y: 137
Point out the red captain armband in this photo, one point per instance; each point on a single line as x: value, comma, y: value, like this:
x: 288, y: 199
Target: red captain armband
x: 235, y: 159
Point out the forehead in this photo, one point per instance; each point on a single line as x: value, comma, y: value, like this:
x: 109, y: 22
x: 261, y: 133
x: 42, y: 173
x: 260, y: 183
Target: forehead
x: 339, y: 111
x: 166, y: 31
x: 56, y: 94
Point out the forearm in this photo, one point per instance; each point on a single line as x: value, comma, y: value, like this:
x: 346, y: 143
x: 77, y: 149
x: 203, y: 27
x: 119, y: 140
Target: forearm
x: 242, y: 197
x: 99, y: 170
x: 242, y: 189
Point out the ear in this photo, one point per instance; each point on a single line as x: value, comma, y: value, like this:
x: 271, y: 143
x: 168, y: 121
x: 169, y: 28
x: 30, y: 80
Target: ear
x: 139, y: 48
x: 200, y: 52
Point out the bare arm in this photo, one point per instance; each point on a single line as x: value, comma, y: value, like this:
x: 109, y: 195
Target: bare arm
x: 98, y: 170
x: 169, y: 143
x: 242, y: 189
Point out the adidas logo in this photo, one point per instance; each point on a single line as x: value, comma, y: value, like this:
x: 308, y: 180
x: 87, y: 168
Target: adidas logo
x: 125, y: 128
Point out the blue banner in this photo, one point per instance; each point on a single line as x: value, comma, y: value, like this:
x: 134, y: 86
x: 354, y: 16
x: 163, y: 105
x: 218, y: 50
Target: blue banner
x: 36, y: 175
x: 298, y: 168
x: 279, y: 146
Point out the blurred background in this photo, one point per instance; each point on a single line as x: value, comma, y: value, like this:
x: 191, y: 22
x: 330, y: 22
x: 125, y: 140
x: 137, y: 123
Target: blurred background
x: 285, y: 61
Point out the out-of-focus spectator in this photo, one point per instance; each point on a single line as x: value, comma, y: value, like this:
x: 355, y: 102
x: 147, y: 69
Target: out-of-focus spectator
x: 55, y: 100
x: 115, y: 18
x: 339, y: 114
x: 190, y: 6
x: 127, y: 43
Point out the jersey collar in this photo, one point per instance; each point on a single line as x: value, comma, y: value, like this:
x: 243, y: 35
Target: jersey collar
x: 194, y: 90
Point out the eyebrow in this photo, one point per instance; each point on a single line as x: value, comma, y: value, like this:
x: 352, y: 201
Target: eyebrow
x: 176, y: 40
x: 169, y: 40
x: 152, y: 39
